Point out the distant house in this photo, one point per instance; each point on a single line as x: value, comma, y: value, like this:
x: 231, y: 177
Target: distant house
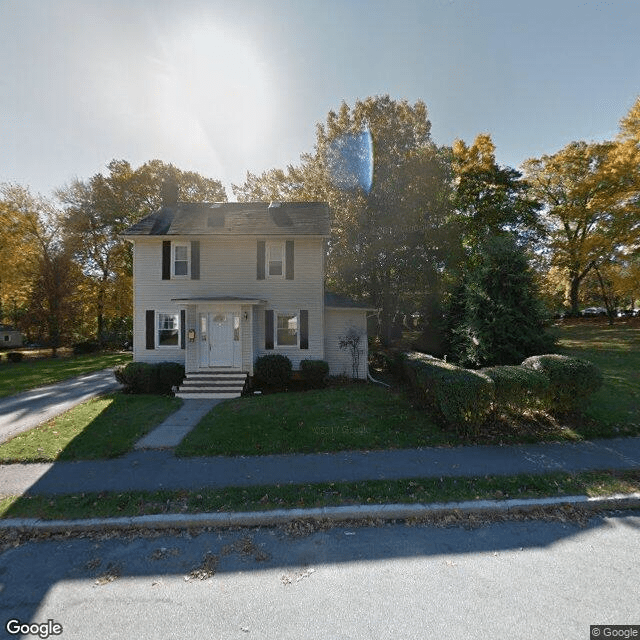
x: 218, y: 285
x: 9, y: 337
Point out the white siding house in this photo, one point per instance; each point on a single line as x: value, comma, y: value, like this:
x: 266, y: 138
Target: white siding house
x: 218, y: 285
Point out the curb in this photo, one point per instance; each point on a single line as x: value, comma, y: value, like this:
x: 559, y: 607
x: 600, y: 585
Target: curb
x: 335, y: 514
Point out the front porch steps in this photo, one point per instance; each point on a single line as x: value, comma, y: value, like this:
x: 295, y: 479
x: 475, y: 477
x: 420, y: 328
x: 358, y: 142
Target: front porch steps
x: 215, y: 384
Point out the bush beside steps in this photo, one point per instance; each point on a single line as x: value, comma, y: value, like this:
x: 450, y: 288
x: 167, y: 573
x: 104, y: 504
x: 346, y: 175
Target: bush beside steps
x: 143, y: 377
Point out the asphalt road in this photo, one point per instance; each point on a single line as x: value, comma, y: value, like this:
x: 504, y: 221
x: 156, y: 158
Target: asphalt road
x: 28, y: 409
x: 529, y: 580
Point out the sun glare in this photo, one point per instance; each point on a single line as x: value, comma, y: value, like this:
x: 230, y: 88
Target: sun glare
x: 200, y: 96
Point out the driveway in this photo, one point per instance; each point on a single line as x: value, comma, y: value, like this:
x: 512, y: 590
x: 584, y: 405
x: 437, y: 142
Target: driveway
x: 30, y: 408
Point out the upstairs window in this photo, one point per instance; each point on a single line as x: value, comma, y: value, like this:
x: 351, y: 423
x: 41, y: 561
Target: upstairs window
x: 180, y: 260
x: 275, y: 255
x: 275, y: 259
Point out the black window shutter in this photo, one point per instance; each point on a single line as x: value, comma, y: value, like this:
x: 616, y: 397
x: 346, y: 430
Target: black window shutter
x: 268, y: 329
x: 183, y: 321
x: 195, y: 259
x: 289, y: 260
x: 304, y: 329
x: 151, y: 328
x: 262, y: 251
x: 166, y: 260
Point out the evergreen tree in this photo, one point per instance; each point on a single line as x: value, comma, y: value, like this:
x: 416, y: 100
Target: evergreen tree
x: 499, y: 318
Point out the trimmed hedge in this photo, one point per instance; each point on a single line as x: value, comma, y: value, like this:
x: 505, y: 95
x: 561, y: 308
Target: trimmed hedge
x: 460, y: 398
x: 272, y: 372
x: 315, y: 372
x: 464, y: 398
x: 518, y: 388
x: 572, y: 380
x: 143, y: 377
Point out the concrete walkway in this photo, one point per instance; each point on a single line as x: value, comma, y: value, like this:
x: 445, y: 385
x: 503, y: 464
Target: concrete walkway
x: 152, y: 470
x: 30, y: 408
x: 170, y: 433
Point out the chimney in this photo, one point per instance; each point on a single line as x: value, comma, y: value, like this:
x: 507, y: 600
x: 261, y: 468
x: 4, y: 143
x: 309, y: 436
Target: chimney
x: 170, y: 192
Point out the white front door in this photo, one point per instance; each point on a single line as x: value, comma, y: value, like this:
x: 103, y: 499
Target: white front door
x: 216, y: 339
x: 221, y: 339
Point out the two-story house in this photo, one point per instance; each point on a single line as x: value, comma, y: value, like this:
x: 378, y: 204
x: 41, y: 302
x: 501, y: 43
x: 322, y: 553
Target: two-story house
x: 218, y: 285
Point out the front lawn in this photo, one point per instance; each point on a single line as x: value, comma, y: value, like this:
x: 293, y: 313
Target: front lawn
x: 104, y: 427
x: 362, y: 417
x: 20, y: 376
x: 356, y: 416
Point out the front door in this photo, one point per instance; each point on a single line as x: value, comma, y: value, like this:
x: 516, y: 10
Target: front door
x: 216, y: 339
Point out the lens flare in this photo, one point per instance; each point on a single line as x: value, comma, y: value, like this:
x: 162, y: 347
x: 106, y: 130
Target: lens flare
x: 350, y: 161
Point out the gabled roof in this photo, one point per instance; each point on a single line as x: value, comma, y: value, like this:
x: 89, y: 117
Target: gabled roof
x: 7, y: 327
x: 337, y: 301
x: 235, y: 218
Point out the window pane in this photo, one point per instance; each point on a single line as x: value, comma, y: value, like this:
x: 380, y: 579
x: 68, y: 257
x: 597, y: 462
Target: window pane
x: 181, y: 260
x: 275, y: 260
x: 287, y: 330
x: 168, y: 330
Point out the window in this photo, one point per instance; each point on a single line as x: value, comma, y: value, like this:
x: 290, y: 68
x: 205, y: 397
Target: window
x: 168, y: 330
x: 180, y: 259
x: 7, y: 338
x: 287, y: 330
x: 236, y: 328
x: 275, y: 257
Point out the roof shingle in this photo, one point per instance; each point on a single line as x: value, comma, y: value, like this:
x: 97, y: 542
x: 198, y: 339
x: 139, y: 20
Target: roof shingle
x: 235, y: 218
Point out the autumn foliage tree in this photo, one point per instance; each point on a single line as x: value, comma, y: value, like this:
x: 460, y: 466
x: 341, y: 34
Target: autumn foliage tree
x: 98, y: 209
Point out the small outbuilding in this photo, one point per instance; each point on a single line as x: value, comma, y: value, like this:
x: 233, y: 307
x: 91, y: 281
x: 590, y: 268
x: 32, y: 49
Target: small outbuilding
x: 10, y: 337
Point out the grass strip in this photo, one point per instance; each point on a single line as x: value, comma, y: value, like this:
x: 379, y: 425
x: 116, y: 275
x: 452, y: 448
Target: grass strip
x: 21, y: 376
x: 103, y: 427
x: 264, y: 498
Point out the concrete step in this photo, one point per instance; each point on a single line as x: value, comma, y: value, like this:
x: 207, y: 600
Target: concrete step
x: 212, y: 385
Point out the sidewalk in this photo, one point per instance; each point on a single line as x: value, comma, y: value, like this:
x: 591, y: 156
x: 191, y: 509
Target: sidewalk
x: 160, y: 469
x: 30, y: 408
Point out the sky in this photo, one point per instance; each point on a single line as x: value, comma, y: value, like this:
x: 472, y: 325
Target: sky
x: 223, y: 87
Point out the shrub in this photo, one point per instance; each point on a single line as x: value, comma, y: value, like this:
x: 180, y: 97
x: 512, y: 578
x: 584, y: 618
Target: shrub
x: 167, y: 376
x: 272, y: 372
x: 89, y: 346
x: 15, y: 356
x: 519, y: 388
x: 143, y: 377
x: 459, y: 398
x: 315, y: 372
x: 572, y: 380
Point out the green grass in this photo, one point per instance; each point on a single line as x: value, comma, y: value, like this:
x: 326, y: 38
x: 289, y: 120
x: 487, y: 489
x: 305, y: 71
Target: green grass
x: 103, y: 427
x: 20, y: 376
x: 264, y: 498
x: 361, y: 417
x: 615, y: 409
x: 356, y: 416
